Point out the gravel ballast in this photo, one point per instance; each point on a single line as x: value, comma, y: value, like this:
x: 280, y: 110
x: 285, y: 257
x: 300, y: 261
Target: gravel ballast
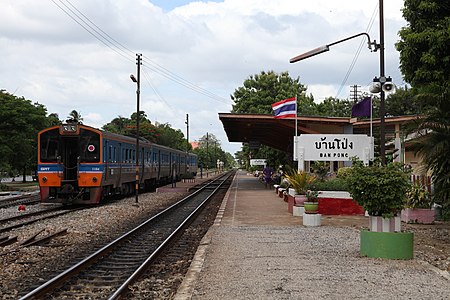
x: 270, y: 262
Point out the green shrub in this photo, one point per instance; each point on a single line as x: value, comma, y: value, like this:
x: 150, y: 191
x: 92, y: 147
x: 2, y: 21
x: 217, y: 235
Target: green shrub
x: 380, y: 190
x: 334, y: 184
x: 418, y: 197
x: 343, y: 172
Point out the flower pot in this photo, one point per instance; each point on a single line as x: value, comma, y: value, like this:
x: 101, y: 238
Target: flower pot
x: 300, y: 199
x: 390, y: 245
x: 311, y: 207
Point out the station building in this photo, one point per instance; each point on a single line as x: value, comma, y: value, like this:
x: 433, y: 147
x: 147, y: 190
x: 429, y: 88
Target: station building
x: 264, y: 129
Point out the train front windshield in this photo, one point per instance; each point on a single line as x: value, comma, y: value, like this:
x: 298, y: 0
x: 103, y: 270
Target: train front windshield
x: 49, y: 151
x: 55, y: 147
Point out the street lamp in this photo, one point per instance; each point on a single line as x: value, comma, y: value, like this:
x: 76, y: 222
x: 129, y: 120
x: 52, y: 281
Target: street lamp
x: 326, y: 48
x: 138, y: 92
x: 382, y: 79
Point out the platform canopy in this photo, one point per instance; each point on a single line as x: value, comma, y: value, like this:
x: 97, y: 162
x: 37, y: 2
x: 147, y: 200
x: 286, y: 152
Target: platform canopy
x: 259, y: 129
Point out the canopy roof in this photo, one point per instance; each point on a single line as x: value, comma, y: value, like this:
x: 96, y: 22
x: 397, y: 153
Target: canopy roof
x: 257, y: 129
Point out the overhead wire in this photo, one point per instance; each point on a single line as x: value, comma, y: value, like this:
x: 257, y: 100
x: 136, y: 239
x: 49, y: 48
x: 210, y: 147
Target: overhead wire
x: 81, y: 19
x: 358, y: 52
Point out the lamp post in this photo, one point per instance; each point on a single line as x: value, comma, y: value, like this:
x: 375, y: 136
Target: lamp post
x: 207, y: 153
x: 138, y: 92
x: 382, y: 79
x: 382, y: 95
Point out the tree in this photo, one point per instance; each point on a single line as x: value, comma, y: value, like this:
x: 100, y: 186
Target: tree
x: 20, y: 121
x: 260, y: 91
x: 170, y: 137
x: 53, y: 119
x: 332, y: 107
x: 403, y: 102
x: 75, y: 117
x: 433, y: 145
x: 425, y: 63
x: 162, y: 134
x: 424, y: 55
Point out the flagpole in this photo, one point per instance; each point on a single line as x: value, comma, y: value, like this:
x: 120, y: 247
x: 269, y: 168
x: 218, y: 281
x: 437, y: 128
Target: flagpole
x: 295, y: 115
x: 296, y: 133
x: 370, y: 116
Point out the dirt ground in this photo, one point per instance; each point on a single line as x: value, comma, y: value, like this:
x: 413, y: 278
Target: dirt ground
x: 431, y: 242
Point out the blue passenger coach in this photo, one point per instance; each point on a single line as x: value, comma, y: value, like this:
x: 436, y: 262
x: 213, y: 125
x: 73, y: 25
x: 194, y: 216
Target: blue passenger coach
x: 78, y: 164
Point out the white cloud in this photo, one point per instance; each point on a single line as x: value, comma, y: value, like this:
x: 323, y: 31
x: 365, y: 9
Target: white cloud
x: 49, y: 58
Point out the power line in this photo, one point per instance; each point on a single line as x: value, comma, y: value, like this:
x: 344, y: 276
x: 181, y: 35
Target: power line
x: 355, y: 58
x: 82, y: 20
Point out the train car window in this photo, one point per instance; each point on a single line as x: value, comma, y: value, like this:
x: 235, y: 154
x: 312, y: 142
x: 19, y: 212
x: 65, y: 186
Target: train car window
x: 89, y: 146
x: 49, y: 146
x: 110, y: 154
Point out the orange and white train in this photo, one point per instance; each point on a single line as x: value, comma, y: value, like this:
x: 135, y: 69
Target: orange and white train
x: 78, y: 164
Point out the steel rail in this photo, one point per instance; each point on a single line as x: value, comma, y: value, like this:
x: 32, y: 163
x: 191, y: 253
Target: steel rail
x: 60, y: 279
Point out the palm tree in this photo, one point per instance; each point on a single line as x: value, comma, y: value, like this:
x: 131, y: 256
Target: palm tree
x: 75, y: 117
x: 433, y: 144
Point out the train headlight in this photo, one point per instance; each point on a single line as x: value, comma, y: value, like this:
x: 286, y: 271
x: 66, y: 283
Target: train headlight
x: 94, y: 179
x: 44, y: 179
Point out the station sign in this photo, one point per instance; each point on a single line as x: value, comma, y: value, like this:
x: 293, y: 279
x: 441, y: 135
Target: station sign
x: 257, y: 162
x: 333, y: 147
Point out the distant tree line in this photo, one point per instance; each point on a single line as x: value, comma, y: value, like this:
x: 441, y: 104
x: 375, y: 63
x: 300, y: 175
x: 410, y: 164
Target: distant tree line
x: 21, y: 120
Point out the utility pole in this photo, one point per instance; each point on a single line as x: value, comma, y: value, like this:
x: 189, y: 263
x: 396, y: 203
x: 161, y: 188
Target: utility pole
x: 382, y: 95
x: 187, y: 132
x: 187, y: 143
x: 354, y: 95
x: 207, y: 153
x: 138, y: 92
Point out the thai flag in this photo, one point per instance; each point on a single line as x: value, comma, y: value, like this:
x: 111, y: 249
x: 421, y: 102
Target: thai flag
x: 285, y: 108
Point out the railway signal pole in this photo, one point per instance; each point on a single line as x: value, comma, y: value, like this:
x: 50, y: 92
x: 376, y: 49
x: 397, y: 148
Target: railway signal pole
x: 138, y: 92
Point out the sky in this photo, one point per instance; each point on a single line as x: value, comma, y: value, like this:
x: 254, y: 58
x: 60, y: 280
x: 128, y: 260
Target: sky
x: 78, y: 55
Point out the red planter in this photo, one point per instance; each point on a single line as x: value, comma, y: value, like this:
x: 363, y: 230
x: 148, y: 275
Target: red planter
x: 290, y: 201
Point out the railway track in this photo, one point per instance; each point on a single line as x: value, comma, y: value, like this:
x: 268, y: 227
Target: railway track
x: 20, y: 199
x: 29, y: 218
x: 107, y: 273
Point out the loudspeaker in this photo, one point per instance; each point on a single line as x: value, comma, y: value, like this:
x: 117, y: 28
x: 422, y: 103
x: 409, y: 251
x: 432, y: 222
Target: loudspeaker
x: 375, y: 88
x: 388, y: 87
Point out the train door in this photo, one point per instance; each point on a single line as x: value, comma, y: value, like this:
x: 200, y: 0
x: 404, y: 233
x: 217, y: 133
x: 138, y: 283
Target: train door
x: 105, y: 160
x: 70, y: 156
x: 119, y: 162
x: 159, y: 162
x: 142, y: 155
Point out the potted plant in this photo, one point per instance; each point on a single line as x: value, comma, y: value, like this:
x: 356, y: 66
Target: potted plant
x: 381, y: 191
x: 418, y: 206
x: 312, y: 203
x: 299, y: 181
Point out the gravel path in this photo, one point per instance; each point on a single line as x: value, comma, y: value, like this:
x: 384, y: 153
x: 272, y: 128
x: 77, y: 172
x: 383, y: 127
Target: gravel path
x: 272, y: 262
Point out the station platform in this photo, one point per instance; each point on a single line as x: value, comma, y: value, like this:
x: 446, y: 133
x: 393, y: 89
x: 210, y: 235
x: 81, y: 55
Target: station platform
x: 256, y: 249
